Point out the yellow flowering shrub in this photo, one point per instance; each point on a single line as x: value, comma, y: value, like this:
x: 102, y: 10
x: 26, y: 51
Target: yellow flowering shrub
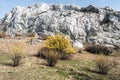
x: 60, y: 43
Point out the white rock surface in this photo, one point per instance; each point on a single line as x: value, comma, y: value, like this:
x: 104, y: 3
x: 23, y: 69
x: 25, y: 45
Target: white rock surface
x: 77, y: 45
x: 90, y: 24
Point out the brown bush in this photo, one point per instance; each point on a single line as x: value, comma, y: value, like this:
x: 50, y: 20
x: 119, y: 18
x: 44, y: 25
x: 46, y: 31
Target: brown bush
x: 50, y: 55
x: 18, y: 35
x: 103, y: 64
x: 41, y: 52
x: 98, y: 49
x: 2, y: 34
x: 62, y: 56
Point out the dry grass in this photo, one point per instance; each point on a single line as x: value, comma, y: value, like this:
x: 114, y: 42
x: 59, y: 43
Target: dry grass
x: 6, y: 44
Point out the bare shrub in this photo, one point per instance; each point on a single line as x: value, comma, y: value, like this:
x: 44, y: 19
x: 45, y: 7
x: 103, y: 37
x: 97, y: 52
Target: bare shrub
x: 16, y: 54
x: 98, y: 49
x: 41, y: 52
x: 64, y: 56
x: 103, y: 64
x: 50, y: 55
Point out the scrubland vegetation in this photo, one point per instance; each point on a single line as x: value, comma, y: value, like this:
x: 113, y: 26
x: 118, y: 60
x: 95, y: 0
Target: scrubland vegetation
x: 56, y: 59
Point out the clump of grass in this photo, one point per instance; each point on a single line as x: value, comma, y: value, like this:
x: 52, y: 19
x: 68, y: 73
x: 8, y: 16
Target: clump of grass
x: 103, y: 64
x: 97, y: 49
x: 16, y: 54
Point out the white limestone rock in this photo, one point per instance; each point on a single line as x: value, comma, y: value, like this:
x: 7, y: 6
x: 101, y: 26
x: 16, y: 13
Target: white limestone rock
x: 77, y: 45
x: 88, y: 24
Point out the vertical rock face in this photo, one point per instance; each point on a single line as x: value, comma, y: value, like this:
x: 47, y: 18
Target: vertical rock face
x: 0, y: 21
x: 88, y: 24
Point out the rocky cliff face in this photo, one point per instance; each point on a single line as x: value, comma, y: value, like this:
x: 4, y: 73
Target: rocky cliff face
x: 88, y: 24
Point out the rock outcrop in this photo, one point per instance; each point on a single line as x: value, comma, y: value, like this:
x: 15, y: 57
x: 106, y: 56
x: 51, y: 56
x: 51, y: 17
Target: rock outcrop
x: 88, y: 24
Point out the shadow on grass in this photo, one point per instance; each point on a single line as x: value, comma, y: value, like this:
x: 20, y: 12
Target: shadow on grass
x: 90, y: 70
x: 7, y: 64
x: 78, y: 75
x: 82, y: 76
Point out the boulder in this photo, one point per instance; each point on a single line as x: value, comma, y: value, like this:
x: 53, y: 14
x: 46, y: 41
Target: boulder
x: 77, y: 45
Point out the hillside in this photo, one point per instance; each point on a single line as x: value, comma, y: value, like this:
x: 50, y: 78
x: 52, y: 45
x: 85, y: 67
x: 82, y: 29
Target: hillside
x: 82, y: 24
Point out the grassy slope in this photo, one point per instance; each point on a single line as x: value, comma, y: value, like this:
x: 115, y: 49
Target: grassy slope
x: 80, y: 67
x: 33, y: 68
